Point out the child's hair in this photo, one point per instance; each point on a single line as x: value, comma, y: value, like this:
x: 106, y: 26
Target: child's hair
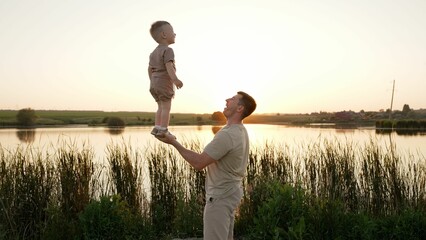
x: 156, y: 29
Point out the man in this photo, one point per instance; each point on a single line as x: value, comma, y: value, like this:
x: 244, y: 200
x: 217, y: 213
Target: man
x: 225, y: 158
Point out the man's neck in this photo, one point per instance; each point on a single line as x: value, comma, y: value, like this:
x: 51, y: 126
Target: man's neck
x: 234, y: 121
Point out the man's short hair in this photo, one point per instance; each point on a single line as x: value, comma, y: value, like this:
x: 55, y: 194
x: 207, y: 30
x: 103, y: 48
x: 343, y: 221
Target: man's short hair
x: 248, y: 102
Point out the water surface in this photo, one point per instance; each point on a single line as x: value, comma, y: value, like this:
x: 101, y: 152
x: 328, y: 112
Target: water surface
x: 140, y: 138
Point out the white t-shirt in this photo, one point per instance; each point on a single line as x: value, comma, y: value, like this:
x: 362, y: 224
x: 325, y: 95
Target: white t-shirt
x: 230, y: 149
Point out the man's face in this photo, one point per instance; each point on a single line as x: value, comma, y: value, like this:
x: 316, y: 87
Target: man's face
x: 232, y: 105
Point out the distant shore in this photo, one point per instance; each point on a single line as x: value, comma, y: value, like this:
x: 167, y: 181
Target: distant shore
x: 347, y: 119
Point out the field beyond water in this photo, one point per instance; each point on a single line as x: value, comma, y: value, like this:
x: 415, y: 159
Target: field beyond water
x: 8, y: 118
x: 60, y: 118
x: 329, y: 190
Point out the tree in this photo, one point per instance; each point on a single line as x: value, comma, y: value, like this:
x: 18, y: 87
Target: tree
x: 115, y: 122
x: 406, y: 109
x: 218, y: 117
x: 26, y: 117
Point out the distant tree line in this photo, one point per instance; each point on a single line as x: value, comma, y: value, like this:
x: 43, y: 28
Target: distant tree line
x: 402, y: 124
x: 405, y: 118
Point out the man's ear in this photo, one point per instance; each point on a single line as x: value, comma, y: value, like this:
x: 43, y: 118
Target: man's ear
x: 240, y: 108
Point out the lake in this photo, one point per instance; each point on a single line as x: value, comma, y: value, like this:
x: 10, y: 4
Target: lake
x: 140, y: 138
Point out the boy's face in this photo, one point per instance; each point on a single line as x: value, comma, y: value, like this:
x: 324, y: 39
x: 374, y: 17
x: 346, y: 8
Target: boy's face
x: 168, y: 34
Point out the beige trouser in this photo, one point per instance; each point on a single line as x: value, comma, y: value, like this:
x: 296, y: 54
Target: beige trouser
x: 219, y: 215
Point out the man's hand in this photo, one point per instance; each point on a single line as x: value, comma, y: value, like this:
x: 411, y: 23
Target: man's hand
x: 166, y: 138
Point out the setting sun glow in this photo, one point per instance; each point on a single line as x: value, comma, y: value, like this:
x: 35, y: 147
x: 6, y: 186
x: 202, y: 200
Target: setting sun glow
x: 292, y: 56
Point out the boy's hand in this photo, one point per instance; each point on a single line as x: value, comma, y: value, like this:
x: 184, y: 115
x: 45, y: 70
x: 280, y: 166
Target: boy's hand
x: 178, y: 83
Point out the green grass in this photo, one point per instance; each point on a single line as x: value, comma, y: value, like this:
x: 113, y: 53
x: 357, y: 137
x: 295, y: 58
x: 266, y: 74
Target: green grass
x: 318, y: 190
x: 51, y: 117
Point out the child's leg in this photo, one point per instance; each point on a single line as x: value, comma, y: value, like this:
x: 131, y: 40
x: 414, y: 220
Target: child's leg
x: 165, y: 107
x: 157, y: 120
x: 164, y: 113
x: 158, y: 114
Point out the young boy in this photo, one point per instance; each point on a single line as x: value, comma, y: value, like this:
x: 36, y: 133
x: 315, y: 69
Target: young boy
x: 162, y: 75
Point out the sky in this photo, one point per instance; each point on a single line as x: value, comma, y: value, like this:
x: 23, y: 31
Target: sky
x: 292, y: 56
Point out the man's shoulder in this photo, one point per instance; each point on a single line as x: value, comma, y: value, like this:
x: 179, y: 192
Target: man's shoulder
x: 233, y: 127
x: 230, y: 132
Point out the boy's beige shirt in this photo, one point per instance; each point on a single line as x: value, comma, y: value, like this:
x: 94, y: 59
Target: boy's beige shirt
x: 161, y: 55
x: 230, y: 149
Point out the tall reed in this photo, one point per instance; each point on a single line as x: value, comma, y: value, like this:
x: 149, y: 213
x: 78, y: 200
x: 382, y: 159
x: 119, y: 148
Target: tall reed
x: 370, y: 179
x: 27, y: 183
x: 44, y: 194
x: 167, y: 184
x: 126, y: 174
x: 177, y: 192
x: 76, y: 168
